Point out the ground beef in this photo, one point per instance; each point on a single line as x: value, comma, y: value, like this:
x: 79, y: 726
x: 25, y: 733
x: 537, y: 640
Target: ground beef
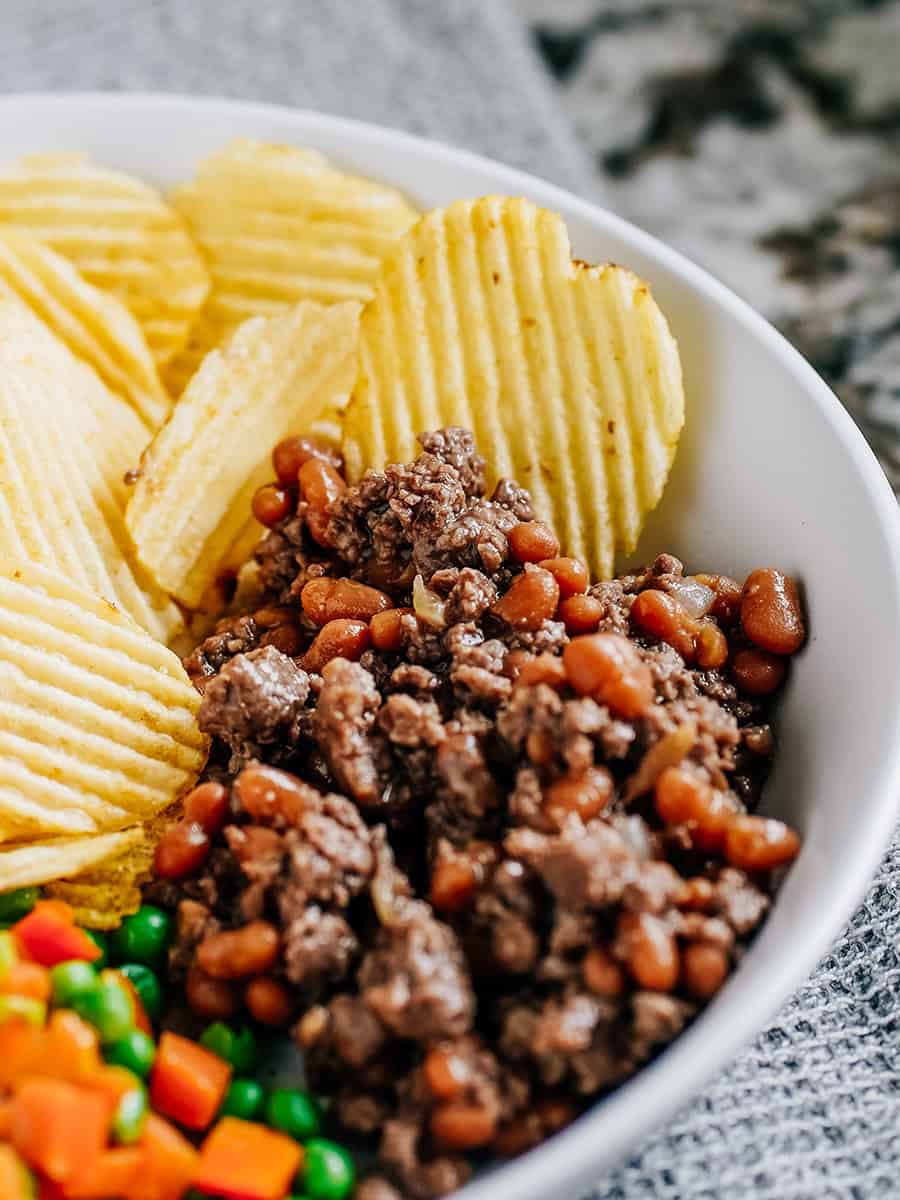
x: 345, y: 712
x: 236, y: 636
x: 255, y: 700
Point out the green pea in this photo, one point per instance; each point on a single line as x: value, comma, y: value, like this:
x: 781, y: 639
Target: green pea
x: 8, y: 952
x: 101, y: 941
x: 108, y: 1009
x: 245, y: 1098
x: 23, y: 1007
x: 128, y: 1121
x: 237, y: 1048
x: 143, y: 937
x: 328, y: 1172
x: 136, y: 1051
x: 294, y: 1112
x: 71, y: 979
x: 146, y: 984
x: 18, y: 904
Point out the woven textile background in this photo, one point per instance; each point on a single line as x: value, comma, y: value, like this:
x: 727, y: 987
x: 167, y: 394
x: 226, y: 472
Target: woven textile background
x: 662, y: 110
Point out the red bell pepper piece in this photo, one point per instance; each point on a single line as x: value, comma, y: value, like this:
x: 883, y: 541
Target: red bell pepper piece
x: 188, y: 1082
x: 49, y: 935
x: 170, y: 1163
x: 241, y: 1160
x: 112, y: 1174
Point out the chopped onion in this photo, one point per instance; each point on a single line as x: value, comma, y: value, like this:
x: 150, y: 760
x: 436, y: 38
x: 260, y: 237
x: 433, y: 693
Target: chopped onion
x: 693, y: 596
x: 667, y: 752
x: 428, y: 605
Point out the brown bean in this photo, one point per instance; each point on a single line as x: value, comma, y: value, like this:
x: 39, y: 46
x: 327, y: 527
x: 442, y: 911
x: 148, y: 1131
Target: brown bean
x: 696, y: 894
x: 711, y: 646
x: 275, y: 614
x: 268, y: 1001
x: 540, y: 747
x: 268, y: 794
x: 760, y: 843
x: 271, y: 504
x: 704, y: 968
x: 207, y: 804
x: 771, y: 615
x: 286, y: 638
x: 530, y: 600
x: 651, y: 953
x: 660, y: 615
x: 212, y: 999
x: 446, y: 1073
x: 602, y: 973
x: 580, y: 614
x: 570, y: 573
x: 236, y: 953
x: 757, y: 672
x: 727, y: 604
x: 542, y: 668
x: 327, y: 600
x: 684, y: 799
x: 609, y: 667
x: 585, y: 793
x: 182, y: 850
x: 290, y: 455
x: 337, y: 639
x: 530, y: 541
x: 386, y: 629
x: 317, y: 521
x: 320, y: 484
x: 453, y: 885
x: 461, y: 1126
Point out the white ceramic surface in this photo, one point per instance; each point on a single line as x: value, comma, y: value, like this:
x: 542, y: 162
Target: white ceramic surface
x: 771, y: 471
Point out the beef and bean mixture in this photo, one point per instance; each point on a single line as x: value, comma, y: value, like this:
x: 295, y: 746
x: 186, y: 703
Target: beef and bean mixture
x: 478, y: 831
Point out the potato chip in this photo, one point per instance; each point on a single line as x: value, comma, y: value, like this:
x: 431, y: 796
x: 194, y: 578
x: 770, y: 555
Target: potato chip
x: 59, y: 858
x: 197, y: 478
x: 95, y: 326
x: 278, y: 225
x: 566, y: 373
x: 65, y: 442
x: 98, y: 722
x: 120, y: 234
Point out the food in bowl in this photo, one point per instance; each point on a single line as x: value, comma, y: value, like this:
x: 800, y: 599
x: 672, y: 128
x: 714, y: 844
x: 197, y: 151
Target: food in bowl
x: 477, y: 824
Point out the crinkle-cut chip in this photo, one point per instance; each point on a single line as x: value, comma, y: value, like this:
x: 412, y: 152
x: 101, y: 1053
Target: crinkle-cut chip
x: 94, y: 713
x: 65, y: 442
x: 277, y: 225
x: 120, y: 234
x: 60, y: 858
x: 567, y: 373
x: 197, y: 478
x: 95, y: 326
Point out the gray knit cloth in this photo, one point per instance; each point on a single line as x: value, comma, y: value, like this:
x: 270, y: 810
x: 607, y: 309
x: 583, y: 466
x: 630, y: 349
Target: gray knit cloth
x: 812, y: 1110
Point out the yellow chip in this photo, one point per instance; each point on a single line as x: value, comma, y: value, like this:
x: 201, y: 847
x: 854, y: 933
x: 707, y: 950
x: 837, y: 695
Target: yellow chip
x: 65, y: 442
x: 94, y: 324
x: 279, y: 225
x: 60, y: 858
x: 120, y: 234
x: 197, y: 478
x: 566, y: 373
x: 94, y: 713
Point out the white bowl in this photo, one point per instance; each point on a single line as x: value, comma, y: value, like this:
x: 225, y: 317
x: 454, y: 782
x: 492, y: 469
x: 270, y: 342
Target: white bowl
x: 771, y: 470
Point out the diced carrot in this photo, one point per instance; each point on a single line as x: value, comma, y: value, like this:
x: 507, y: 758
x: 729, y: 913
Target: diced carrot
x: 112, y: 1174
x: 170, y: 1163
x: 26, y: 979
x: 48, y: 935
x: 141, y: 1020
x: 58, y: 1128
x: 15, y: 1178
x: 188, y: 1082
x: 6, y: 1112
x: 113, y: 1082
x: 23, y: 1050
x: 72, y: 1048
x: 241, y: 1160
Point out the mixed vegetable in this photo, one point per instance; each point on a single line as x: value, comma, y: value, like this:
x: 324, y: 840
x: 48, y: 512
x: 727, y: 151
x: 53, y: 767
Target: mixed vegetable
x: 94, y: 1106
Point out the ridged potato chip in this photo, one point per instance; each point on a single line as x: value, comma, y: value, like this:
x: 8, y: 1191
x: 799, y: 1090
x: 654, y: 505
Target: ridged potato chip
x: 120, y: 234
x: 567, y: 373
x: 94, y: 324
x: 197, y: 478
x: 278, y: 225
x: 98, y: 721
x: 60, y: 858
x: 65, y: 442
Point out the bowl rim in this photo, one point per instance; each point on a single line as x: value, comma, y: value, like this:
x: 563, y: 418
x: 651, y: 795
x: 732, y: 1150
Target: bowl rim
x: 646, y: 1101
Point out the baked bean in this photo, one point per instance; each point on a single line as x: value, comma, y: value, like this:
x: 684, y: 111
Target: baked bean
x: 580, y: 614
x: 181, y: 850
x: 651, y: 953
x: 290, y: 455
x: 320, y: 483
x: 570, y: 573
x: 771, y: 615
x: 312, y: 1026
x: 540, y: 747
x: 453, y: 884
x: 461, y: 1126
x: 386, y: 629
x: 696, y: 894
x: 271, y: 504
x: 542, y: 668
x: 602, y: 973
x: 684, y: 799
x: 317, y: 523
x: 609, y: 667
x: 212, y: 999
x: 446, y: 1073
x: 759, y: 739
x: 268, y: 1001
x: 514, y: 662
x: 711, y: 646
x: 207, y: 804
x: 236, y: 953
x: 266, y: 794
x: 585, y: 793
x: 274, y: 614
x: 530, y: 541
x: 757, y: 672
x: 327, y: 600
x: 286, y: 638
x: 760, y: 843
x: 530, y: 600
x: 337, y: 639
x: 704, y: 968
x: 660, y: 615
x: 726, y: 606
